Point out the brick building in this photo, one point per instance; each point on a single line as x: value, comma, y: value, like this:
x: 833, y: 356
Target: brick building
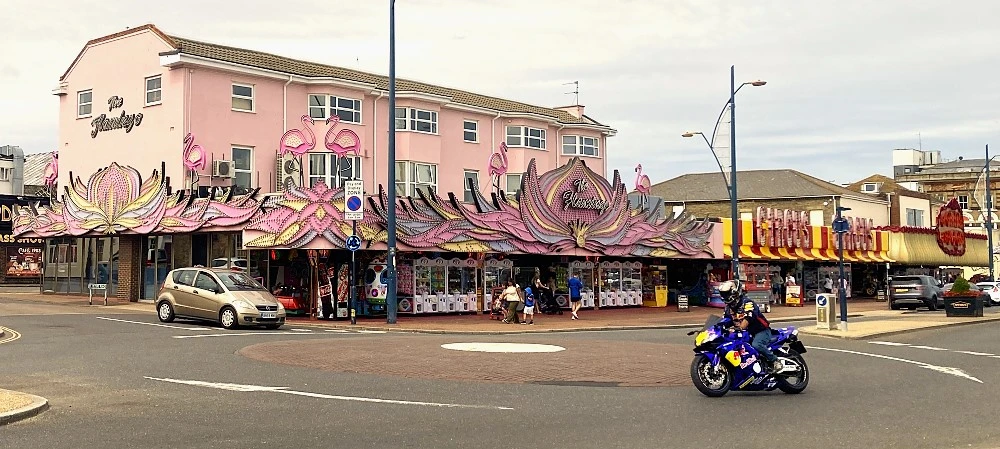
x: 706, y: 195
x: 907, y: 207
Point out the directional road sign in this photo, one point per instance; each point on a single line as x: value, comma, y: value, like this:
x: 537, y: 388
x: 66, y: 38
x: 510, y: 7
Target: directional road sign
x: 354, y: 194
x: 353, y: 243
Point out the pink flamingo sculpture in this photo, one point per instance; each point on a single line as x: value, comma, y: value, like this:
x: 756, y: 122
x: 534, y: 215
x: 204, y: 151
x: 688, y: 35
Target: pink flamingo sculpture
x: 52, y: 170
x: 296, y: 142
x: 642, y: 184
x: 345, y: 141
x: 498, y: 166
x: 194, y: 158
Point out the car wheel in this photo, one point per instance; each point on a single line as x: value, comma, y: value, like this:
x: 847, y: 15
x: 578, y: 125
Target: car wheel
x: 165, y: 311
x: 933, y: 304
x: 228, y: 318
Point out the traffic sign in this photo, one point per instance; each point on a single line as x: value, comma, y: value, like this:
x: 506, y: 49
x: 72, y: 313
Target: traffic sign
x: 841, y: 225
x: 353, y: 243
x: 354, y: 201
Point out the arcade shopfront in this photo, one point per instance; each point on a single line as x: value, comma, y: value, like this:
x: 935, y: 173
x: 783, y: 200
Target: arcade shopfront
x: 944, y: 251
x: 780, y: 242
x: 453, y: 255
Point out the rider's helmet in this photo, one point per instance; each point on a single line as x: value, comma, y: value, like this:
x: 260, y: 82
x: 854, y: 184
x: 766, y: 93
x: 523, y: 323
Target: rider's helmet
x: 731, y: 292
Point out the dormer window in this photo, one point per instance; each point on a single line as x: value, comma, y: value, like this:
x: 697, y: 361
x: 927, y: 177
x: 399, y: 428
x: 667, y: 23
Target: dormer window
x: 869, y: 187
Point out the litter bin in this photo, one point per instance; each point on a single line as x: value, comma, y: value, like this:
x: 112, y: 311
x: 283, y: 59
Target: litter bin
x: 963, y: 306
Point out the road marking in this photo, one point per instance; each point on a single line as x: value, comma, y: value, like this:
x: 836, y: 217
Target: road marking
x: 337, y: 330
x: 976, y: 353
x: 942, y: 369
x: 370, y: 332
x: 157, y: 324
x: 932, y: 348
x: 301, y: 330
x: 9, y: 335
x: 503, y: 347
x: 237, y: 334
x: 259, y: 388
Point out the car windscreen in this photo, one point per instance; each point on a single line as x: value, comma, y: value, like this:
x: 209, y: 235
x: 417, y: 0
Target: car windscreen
x: 906, y: 280
x: 239, y: 282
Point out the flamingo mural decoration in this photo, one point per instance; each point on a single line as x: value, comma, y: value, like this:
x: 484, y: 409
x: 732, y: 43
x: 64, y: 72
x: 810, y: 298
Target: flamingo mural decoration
x: 642, y: 185
x: 297, y: 142
x: 498, y: 166
x: 52, y: 170
x: 194, y: 158
x: 345, y: 141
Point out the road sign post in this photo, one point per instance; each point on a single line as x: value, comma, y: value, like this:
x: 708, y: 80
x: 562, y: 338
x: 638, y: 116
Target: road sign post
x: 354, y: 210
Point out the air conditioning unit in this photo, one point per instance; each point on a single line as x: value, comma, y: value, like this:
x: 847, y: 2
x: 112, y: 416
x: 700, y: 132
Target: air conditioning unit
x: 287, y: 172
x: 222, y: 169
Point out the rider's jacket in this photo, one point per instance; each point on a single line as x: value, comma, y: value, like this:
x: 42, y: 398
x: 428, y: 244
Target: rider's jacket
x: 747, y: 308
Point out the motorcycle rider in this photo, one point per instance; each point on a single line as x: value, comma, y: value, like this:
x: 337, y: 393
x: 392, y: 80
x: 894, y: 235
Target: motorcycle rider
x: 746, y: 316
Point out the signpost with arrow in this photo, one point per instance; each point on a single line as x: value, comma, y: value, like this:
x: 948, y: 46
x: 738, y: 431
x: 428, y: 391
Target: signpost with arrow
x: 354, y: 210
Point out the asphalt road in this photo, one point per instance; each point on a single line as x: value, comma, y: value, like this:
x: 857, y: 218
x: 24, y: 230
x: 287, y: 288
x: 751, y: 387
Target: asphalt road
x: 96, y: 368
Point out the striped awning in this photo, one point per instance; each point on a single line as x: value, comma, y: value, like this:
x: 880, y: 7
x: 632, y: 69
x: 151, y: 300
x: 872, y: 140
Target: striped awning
x: 822, y: 242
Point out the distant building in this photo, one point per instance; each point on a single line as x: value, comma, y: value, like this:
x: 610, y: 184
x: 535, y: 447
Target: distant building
x: 705, y: 195
x: 11, y: 170
x: 962, y: 179
x: 34, y: 173
x: 907, y: 207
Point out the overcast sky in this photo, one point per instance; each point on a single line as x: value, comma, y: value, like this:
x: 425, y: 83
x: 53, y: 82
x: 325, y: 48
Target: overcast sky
x: 848, y: 80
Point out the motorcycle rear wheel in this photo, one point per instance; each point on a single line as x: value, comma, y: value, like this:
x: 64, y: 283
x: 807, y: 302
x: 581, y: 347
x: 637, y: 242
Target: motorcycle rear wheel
x: 702, y: 373
x: 800, y: 376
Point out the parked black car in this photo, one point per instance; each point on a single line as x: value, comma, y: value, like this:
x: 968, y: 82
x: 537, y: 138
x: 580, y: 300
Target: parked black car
x: 915, y: 291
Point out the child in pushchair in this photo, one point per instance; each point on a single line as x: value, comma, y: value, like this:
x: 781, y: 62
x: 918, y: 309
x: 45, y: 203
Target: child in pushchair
x: 498, y: 307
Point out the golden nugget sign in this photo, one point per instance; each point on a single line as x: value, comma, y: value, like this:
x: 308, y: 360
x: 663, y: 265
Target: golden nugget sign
x: 782, y: 228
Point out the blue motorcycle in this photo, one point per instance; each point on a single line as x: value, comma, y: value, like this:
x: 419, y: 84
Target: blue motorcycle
x: 725, y: 361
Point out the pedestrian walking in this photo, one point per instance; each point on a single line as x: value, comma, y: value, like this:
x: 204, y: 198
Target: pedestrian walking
x: 575, y: 285
x: 828, y: 284
x: 776, y: 283
x: 529, y: 306
x: 513, y: 299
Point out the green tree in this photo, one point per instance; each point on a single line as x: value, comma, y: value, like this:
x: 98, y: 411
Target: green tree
x: 961, y: 285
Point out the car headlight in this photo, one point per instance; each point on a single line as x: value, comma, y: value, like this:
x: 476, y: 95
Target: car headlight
x: 280, y: 307
x: 241, y: 304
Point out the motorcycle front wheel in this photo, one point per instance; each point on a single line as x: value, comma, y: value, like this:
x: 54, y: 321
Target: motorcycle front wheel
x: 794, y: 381
x: 710, y: 381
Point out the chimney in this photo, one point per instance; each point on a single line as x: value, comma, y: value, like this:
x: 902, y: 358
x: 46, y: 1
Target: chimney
x: 575, y: 110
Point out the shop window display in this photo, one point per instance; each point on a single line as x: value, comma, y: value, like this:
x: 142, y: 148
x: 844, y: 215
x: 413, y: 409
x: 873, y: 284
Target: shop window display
x: 72, y: 263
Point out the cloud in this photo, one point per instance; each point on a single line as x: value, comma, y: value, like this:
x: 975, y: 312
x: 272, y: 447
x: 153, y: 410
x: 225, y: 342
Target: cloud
x: 847, y: 81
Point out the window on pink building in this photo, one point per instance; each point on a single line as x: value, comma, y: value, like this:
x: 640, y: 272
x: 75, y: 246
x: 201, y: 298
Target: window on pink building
x: 471, y: 181
x: 580, y: 146
x: 322, y: 106
x: 513, y: 185
x: 84, y: 103
x: 414, y: 176
x: 331, y: 170
x: 154, y: 90
x: 526, y: 136
x: 419, y: 120
x: 470, y: 131
x: 243, y: 97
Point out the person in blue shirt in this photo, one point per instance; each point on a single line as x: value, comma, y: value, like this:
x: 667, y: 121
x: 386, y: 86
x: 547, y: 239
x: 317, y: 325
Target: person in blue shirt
x: 529, y: 306
x: 746, y: 316
x: 574, y: 295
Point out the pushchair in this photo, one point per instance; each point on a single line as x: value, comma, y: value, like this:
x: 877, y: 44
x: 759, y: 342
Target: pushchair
x: 546, y: 303
x: 498, y: 311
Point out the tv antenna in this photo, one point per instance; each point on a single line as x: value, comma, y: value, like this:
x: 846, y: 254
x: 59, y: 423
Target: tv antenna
x: 576, y: 91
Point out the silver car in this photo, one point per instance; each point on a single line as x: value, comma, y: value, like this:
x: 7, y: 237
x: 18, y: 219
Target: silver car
x: 230, y: 298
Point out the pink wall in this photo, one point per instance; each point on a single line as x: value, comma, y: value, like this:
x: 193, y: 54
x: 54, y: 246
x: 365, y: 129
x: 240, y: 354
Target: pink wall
x: 198, y: 100
x: 104, y: 69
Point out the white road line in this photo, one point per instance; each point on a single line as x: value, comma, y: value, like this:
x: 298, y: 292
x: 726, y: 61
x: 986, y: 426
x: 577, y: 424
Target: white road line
x: 932, y: 348
x: 942, y: 369
x: 301, y: 330
x: 337, y: 330
x: 370, y: 332
x: 976, y: 353
x: 236, y: 334
x: 259, y: 388
x: 888, y: 343
x: 156, y: 324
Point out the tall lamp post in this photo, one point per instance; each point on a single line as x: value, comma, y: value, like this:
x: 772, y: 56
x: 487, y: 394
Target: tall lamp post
x: 731, y: 185
x: 390, y: 261
x: 989, y: 209
x: 841, y: 226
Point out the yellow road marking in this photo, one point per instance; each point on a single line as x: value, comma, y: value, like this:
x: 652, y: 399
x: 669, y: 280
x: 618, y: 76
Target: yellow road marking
x: 9, y: 335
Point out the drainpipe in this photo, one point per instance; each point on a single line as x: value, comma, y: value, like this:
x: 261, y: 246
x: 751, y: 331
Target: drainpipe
x: 375, y: 139
x: 284, y: 105
x: 493, y: 140
x: 559, y: 144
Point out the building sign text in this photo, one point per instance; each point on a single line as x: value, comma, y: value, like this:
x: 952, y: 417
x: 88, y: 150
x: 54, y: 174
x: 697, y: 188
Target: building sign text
x: 124, y: 121
x: 572, y: 199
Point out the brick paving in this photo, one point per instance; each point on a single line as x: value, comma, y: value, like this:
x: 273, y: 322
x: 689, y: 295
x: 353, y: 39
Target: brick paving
x: 584, y: 362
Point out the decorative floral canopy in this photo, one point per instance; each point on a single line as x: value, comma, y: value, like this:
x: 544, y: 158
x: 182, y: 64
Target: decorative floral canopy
x: 115, y: 200
x: 570, y: 210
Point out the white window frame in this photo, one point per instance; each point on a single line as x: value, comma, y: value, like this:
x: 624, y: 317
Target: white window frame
x: 577, y: 146
x: 963, y: 201
x: 507, y: 178
x: 237, y: 170
x: 410, y: 120
x: 252, y: 97
x: 5, y: 174
x: 467, y: 193
x: 522, y: 136
x: 331, y: 167
x: 331, y: 107
x: 80, y: 103
x: 474, y: 131
x: 147, y: 90
x: 406, y: 172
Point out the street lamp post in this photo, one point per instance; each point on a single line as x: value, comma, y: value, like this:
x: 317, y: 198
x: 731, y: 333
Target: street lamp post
x: 390, y: 260
x: 731, y: 185
x: 989, y: 210
x: 841, y: 226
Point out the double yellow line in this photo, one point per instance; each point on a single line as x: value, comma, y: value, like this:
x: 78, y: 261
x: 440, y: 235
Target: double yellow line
x: 9, y: 335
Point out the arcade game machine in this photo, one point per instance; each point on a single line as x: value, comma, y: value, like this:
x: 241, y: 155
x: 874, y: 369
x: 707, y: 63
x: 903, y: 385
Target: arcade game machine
x: 757, y: 283
x: 376, y: 288
x: 654, y: 286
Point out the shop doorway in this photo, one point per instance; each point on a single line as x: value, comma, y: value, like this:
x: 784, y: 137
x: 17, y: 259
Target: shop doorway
x: 199, y: 250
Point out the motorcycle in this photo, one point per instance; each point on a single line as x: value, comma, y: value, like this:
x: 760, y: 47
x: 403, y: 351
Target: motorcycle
x: 725, y: 361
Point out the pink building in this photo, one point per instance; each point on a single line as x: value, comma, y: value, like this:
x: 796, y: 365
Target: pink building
x: 132, y: 97
x: 151, y: 124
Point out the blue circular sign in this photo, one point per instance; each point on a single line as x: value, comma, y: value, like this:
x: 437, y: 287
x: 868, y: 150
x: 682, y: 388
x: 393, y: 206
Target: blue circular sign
x: 353, y: 203
x: 821, y: 300
x: 353, y: 243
